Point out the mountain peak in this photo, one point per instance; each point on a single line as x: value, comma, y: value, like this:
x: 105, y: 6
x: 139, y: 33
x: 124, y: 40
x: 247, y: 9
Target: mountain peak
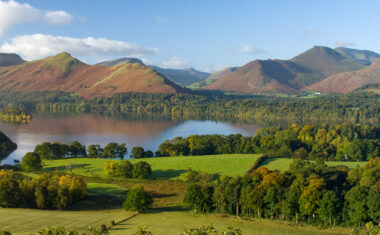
x: 120, y: 61
x: 10, y: 59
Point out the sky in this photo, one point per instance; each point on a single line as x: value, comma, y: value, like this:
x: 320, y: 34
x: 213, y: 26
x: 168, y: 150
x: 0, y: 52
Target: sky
x: 208, y: 35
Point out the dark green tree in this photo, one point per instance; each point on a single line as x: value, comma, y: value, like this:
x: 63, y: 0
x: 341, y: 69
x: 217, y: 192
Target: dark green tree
x: 137, y: 152
x: 31, y: 162
x: 141, y: 170
x: 137, y: 199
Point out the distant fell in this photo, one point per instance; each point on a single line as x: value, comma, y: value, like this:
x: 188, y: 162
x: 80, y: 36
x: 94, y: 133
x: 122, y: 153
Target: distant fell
x: 185, y: 76
x: 10, y: 59
x: 286, y: 76
x: 66, y: 73
x: 121, y: 61
x: 212, y: 78
x: 349, y: 81
x: 326, y: 61
x: 365, y: 57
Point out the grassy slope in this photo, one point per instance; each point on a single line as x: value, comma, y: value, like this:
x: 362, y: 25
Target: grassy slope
x: 166, y: 167
x: 177, y: 222
x: 25, y: 221
x: 282, y: 164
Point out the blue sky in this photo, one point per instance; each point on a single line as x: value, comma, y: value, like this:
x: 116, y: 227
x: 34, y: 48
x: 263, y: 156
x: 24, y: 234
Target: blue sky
x: 207, y: 35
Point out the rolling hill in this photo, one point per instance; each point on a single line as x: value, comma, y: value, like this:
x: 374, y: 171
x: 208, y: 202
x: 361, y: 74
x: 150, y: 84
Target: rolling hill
x: 10, y: 59
x: 213, y: 77
x: 185, y: 76
x: 286, y: 76
x: 362, y: 56
x: 65, y: 73
x: 349, y: 81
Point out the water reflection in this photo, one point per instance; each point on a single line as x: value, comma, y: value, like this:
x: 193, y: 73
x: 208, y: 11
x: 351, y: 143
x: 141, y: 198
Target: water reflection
x: 91, y: 129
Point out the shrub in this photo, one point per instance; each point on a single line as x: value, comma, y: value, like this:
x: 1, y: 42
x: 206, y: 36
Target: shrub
x: 31, y: 162
x: 141, y: 170
x: 137, y: 199
x: 118, y: 168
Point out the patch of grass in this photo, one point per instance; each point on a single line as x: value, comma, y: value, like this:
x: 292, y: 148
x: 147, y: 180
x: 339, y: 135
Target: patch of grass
x: 165, y: 167
x: 282, y: 164
x: 164, y: 192
x: 26, y: 221
x: 101, y: 196
x: 160, y: 222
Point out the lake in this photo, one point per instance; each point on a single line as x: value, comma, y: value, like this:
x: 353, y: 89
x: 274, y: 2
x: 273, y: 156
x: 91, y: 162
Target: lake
x: 92, y: 129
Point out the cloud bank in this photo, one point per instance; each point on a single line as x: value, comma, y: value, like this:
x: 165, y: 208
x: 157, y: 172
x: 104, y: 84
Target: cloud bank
x: 37, y: 46
x: 13, y: 13
x: 175, y: 63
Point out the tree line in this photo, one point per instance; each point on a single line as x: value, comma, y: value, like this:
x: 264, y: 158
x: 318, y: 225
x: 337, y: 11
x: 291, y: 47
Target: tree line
x: 46, y: 191
x: 342, y: 142
x: 307, y: 192
x: 15, y: 115
x: 357, y: 107
x: 56, y: 150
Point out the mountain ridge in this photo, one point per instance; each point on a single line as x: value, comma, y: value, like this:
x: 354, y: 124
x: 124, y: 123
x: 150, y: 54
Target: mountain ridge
x: 66, y: 73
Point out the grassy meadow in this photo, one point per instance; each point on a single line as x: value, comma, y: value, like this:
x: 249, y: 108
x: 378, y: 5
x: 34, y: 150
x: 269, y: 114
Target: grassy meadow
x: 157, y: 221
x: 165, y: 167
x: 176, y: 223
x: 27, y: 221
x: 282, y: 164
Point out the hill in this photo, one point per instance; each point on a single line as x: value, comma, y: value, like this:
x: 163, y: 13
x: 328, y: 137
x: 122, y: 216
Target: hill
x: 182, y: 76
x: 213, y: 77
x: 362, y: 56
x: 121, y: 61
x: 10, y: 59
x: 286, y: 76
x: 349, y: 81
x: 65, y: 73
x: 326, y: 61
x: 264, y: 76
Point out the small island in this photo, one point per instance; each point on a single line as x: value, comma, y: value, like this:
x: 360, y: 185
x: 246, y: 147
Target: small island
x: 15, y: 115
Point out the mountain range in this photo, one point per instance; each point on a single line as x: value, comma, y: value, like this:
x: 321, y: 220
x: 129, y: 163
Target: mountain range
x: 320, y: 69
x: 286, y: 76
x: 184, y: 76
x: 66, y: 73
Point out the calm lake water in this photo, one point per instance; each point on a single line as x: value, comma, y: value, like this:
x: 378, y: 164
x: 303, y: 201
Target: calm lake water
x: 90, y: 129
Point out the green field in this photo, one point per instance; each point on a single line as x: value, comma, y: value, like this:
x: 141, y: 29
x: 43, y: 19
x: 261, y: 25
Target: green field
x: 282, y: 164
x: 26, y: 221
x: 177, y: 222
x: 165, y: 167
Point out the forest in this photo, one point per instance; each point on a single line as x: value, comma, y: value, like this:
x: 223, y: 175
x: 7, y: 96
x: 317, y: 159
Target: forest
x: 309, y: 192
x: 342, y: 142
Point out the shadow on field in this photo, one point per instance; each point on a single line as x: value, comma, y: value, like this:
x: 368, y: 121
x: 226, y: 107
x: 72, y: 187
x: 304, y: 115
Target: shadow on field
x: 63, y: 168
x: 166, y: 174
x: 267, y: 161
x: 178, y: 208
x: 101, y: 198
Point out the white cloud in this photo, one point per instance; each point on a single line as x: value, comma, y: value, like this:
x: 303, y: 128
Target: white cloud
x: 36, y: 46
x: 212, y: 68
x: 57, y: 17
x: 249, y: 49
x: 13, y: 13
x: 344, y: 44
x: 174, y: 62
